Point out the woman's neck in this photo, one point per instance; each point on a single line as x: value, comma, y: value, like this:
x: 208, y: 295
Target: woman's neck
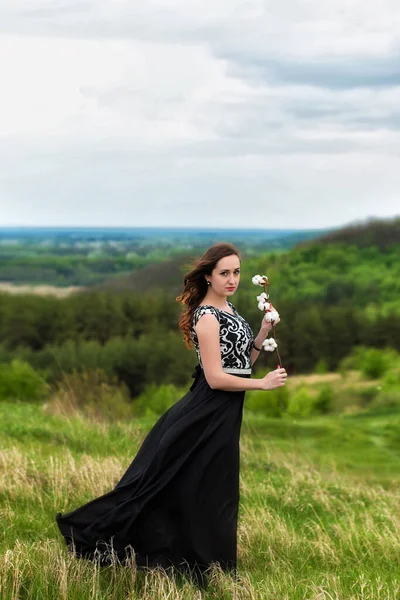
x: 216, y: 301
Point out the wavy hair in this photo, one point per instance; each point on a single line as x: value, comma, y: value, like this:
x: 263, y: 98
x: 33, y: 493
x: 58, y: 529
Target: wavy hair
x: 195, y: 284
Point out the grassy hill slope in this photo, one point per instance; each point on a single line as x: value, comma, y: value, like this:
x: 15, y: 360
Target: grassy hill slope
x: 318, y: 515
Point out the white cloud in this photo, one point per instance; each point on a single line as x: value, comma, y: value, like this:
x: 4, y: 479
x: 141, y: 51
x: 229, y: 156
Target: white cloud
x: 175, y: 112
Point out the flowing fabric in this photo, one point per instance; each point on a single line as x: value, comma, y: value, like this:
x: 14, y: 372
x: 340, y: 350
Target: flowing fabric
x: 177, y: 503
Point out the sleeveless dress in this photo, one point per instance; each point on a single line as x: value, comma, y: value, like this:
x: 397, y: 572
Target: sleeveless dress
x: 176, y: 506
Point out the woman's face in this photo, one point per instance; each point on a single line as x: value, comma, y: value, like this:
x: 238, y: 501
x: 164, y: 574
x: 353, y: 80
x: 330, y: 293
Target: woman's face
x: 225, y: 276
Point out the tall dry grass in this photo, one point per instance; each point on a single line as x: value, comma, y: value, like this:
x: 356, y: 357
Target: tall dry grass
x: 305, y: 531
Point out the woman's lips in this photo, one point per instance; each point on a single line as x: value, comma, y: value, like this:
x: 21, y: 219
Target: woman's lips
x: 230, y: 288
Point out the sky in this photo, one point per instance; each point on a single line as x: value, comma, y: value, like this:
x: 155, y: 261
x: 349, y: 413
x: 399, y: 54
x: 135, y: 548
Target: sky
x: 227, y: 113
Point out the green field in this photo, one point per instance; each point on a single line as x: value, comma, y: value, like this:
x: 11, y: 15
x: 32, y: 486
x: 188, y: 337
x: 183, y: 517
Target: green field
x: 83, y: 378
x: 319, y: 512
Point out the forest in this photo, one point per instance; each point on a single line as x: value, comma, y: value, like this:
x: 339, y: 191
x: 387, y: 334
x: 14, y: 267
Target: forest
x: 333, y: 295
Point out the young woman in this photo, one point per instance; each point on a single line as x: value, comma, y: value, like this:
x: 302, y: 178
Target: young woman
x: 176, y: 506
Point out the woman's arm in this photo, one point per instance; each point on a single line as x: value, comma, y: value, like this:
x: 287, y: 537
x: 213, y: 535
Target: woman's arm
x: 261, y: 336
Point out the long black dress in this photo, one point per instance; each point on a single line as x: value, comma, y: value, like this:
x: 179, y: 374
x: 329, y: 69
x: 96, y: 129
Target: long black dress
x: 177, y: 503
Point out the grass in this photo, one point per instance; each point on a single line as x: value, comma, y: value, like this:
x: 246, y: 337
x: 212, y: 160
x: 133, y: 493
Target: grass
x: 319, y: 512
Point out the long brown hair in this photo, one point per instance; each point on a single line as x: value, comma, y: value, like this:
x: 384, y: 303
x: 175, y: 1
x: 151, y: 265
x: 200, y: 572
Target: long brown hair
x: 195, y: 284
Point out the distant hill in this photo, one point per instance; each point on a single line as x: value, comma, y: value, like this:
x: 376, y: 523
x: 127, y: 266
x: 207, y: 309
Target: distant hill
x: 382, y: 233
x: 85, y: 257
x: 167, y: 274
x: 193, y: 237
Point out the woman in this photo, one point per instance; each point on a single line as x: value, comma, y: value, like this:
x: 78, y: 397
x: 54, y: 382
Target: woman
x: 177, y: 504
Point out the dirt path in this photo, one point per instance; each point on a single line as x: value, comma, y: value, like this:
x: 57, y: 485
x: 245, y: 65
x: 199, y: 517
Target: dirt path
x: 40, y: 290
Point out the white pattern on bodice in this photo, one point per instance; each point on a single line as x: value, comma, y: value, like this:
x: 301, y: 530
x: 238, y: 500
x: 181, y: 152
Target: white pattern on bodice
x: 235, y: 338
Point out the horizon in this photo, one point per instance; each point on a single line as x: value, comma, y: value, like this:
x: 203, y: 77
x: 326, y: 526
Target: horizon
x: 153, y: 228
x: 354, y: 223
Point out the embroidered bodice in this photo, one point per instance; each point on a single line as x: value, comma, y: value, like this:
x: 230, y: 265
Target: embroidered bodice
x: 235, y: 338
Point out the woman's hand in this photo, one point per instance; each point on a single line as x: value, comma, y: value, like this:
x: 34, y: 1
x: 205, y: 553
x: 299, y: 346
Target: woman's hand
x: 274, y: 379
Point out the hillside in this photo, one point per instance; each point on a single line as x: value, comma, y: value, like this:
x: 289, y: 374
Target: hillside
x: 166, y: 275
x: 383, y: 233
x: 356, y: 265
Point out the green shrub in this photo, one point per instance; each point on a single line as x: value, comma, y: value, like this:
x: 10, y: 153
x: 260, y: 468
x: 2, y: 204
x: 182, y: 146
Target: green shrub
x: 19, y: 381
x: 372, y: 362
x: 301, y: 403
x: 353, y: 361
x: 156, y: 399
x: 271, y: 404
x: 375, y: 363
x: 324, y: 401
x: 391, y: 379
x: 321, y: 367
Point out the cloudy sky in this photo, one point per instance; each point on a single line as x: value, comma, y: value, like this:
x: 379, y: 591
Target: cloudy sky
x: 226, y: 113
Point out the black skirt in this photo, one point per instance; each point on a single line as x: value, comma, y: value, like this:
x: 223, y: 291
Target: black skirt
x: 176, y: 506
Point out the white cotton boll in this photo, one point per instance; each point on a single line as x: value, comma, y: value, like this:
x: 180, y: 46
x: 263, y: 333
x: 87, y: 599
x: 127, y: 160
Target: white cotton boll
x: 261, y: 305
x: 264, y: 295
x: 270, y: 316
x: 268, y: 348
x: 259, y: 280
x: 269, y: 344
